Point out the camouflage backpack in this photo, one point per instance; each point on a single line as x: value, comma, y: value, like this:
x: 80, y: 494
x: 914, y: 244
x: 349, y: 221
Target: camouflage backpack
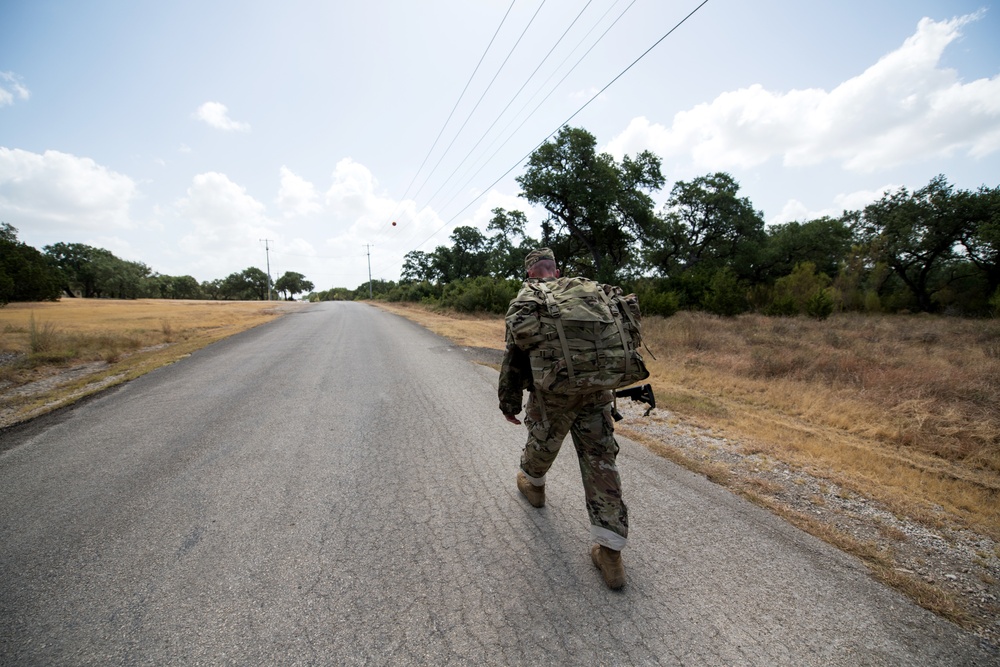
x: 579, y: 337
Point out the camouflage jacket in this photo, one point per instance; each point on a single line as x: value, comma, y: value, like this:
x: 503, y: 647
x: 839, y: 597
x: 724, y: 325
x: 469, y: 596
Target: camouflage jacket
x: 515, y: 369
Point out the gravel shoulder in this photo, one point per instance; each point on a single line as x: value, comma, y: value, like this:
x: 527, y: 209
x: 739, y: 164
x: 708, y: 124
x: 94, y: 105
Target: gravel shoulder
x: 946, y: 568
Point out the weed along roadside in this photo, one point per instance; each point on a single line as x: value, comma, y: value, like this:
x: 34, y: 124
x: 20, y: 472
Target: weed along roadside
x: 55, y: 353
x: 877, y: 434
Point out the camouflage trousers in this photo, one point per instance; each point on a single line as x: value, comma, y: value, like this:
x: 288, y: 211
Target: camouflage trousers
x: 588, y: 420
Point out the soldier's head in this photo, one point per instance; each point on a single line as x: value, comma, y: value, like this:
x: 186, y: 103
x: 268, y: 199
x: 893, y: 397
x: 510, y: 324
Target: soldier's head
x: 541, y: 263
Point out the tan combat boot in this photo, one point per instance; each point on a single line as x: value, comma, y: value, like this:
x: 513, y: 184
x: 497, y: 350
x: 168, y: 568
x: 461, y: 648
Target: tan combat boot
x: 534, y: 494
x: 609, y: 562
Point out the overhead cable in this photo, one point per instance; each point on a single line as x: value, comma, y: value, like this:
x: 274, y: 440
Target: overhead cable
x: 563, y: 124
x: 539, y: 105
x: 500, y: 115
x: 478, y: 102
x: 448, y: 120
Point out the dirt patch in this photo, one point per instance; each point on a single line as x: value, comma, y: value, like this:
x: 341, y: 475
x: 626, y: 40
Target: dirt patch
x: 13, y: 397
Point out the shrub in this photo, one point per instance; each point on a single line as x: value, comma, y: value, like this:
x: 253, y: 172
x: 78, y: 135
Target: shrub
x: 725, y: 295
x: 782, y: 306
x: 663, y: 304
x: 479, y: 295
x: 820, y: 304
x: 414, y: 292
x: 873, y: 304
x: 42, y: 338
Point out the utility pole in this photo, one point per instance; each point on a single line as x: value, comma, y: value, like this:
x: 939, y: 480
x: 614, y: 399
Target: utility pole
x: 267, y: 253
x: 368, y: 252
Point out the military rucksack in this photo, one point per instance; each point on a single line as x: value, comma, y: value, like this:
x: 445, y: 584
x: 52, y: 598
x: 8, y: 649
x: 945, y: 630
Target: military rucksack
x: 579, y: 337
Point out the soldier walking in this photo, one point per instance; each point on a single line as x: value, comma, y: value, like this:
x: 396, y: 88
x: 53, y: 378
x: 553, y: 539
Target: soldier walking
x: 549, y: 416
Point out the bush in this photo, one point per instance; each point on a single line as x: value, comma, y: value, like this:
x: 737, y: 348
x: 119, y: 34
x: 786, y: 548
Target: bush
x: 782, y: 305
x: 421, y: 292
x: 820, y: 304
x: 479, y: 295
x: 725, y: 295
x: 663, y: 304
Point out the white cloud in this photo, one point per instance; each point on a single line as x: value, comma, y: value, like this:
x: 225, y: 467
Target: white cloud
x: 11, y: 88
x: 855, y: 201
x: 229, y: 225
x: 220, y: 207
x: 904, y: 108
x: 297, y: 196
x: 352, y: 197
x: 217, y: 115
x: 796, y: 211
x: 58, y: 189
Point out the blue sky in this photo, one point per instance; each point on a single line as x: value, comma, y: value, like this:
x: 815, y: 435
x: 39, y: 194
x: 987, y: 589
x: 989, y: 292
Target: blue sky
x: 181, y: 134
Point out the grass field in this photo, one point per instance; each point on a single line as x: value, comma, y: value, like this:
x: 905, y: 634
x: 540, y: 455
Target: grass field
x: 54, y: 353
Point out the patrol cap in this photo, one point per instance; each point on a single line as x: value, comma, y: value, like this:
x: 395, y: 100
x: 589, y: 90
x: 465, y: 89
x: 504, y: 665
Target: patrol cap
x: 536, y: 256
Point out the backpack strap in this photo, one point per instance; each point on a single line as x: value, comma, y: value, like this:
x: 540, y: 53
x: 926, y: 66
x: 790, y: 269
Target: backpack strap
x: 553, y: 309
x: 616, y: 313
x: 635, y: 325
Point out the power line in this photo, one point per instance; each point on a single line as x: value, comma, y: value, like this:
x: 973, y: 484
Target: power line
x: 479, y: 101
x: 563, y: 124
x: 543, y: 100
x: 573, y: 50
x: 500, y: 115
x: 461, y: 95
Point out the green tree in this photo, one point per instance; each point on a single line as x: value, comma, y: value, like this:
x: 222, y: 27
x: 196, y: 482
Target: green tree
x: 418, y: 266
x: 601, y: 209
x: 96, y: 272
x: 981, y: 239
x: 251, y: 284
x: 707, y: 226
x: 25, y: 273
x: 79, y: 264
x: 509, y: 245
x: 292, y: 283
x: 380, y: 289
x: 725, y: 294
x: 119, y: 278
x: 466, y: 258
x: 185, y: 287
x: 825, y: 242
x: 801, y: 290
x: 212, y: 289
x: 916, y: 236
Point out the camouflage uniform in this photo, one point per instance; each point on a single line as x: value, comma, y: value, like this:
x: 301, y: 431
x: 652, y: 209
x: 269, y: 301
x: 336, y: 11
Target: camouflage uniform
x: 587, y: 418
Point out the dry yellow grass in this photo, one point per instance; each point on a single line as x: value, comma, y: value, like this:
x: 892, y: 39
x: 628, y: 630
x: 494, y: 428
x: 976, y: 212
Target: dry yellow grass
x: 57, y: 352
x: 468, y: 330
x: 901, y: 409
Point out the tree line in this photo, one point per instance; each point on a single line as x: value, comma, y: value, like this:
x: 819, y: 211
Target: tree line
x: 79, y: 270
x: 934, y: 249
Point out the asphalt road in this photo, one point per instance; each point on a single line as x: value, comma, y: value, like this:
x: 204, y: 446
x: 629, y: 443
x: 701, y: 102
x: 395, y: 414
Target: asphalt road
x: 337, y: 488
